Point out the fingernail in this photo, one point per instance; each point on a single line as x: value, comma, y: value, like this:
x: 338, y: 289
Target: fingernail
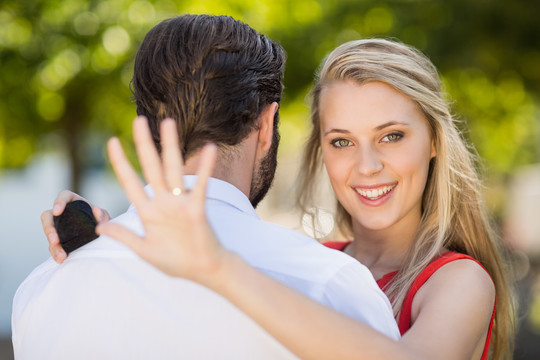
x: 56, y: 209
x: 101, y: 214
x: 59, y: 254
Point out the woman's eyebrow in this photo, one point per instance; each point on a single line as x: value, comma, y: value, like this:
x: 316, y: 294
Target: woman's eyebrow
x: 378, y: 128
x: 339, y: 131
x: 390, y: 123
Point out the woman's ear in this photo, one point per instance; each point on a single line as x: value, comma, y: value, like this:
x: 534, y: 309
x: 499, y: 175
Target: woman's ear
x: 266, y: 127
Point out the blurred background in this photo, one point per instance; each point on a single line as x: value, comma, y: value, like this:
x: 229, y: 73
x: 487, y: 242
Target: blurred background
x: 65, y: 68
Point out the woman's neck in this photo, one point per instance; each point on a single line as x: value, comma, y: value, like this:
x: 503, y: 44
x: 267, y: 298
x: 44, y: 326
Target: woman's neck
x: 382, y: 251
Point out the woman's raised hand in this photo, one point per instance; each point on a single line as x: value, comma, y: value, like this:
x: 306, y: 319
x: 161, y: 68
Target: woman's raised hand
x: 178, y: 238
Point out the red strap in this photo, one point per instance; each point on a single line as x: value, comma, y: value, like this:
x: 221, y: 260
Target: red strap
x: 404, y: 322
x: 337, y: 245
x: 382, y: 282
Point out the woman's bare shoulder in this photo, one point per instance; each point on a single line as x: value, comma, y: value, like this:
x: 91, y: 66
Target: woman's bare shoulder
x: 453, y: 307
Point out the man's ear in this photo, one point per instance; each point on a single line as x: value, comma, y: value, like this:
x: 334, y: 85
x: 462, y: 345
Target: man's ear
x: 266, y: 127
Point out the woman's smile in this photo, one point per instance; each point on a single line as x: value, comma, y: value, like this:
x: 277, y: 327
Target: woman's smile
x: 375, y: 195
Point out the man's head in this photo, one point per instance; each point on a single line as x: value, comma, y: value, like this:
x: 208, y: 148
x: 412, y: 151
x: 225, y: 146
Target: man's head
x: 214, y: 75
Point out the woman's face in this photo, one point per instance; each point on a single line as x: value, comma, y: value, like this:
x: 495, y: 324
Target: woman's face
x: 377, y: 148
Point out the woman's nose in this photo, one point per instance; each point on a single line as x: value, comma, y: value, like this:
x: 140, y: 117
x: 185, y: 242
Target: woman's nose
x: 368, y: 162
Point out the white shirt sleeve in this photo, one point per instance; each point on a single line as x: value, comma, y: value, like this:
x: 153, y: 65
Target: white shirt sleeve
x: 355, y: 293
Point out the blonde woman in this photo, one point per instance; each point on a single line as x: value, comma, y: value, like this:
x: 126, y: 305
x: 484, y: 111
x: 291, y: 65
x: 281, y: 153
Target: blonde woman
x: 408, y: 198
x: 433, y: 214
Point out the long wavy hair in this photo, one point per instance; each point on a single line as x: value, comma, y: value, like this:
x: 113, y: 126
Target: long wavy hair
x: 453, y: 213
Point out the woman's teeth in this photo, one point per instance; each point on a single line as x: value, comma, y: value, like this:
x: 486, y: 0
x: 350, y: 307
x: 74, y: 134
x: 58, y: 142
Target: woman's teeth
x: 374, y: 194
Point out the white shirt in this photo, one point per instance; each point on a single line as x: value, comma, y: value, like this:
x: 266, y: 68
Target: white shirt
x: 104, y: 302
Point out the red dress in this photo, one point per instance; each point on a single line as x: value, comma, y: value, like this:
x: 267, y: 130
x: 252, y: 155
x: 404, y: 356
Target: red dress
x: 404, y: 321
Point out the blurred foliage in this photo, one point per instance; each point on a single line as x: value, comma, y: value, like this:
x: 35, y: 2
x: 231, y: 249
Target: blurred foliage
x: 65, y: 66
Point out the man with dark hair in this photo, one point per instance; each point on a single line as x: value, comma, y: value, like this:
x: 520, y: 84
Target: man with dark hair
x: 222, y: 83
x: 214, y: 76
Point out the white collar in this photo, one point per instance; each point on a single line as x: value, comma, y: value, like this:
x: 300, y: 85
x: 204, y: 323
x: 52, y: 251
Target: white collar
x: 217, y: 190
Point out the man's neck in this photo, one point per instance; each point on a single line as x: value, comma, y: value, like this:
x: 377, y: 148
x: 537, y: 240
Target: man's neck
x: 234, y: 166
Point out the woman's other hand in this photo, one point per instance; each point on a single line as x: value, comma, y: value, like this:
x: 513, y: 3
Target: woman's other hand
x: 47, y: 221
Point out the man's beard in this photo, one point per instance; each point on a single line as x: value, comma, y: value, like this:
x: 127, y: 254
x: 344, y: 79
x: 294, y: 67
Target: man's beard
x: 263, y: 174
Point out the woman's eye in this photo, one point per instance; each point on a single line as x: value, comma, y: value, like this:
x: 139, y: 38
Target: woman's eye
x: 392, y: 137
x: 341, y: 143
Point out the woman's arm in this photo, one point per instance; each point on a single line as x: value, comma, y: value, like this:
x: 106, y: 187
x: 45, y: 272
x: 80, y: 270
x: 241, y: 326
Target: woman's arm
x: 448, y: 322
x: 180, y: 242
x: 307, y: 328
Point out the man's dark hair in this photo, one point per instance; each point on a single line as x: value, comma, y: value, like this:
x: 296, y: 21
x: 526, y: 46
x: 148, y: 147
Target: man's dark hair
x: 212, y: 74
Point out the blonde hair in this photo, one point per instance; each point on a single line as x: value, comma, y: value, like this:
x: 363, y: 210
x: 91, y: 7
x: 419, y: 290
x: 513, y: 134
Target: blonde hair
x: 453, y: 214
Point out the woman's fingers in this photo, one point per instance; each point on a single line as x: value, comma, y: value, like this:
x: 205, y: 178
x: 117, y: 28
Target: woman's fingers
x: 127, y: 177
x: 171, y: 155
x: 64, y: 197
x: 100, y: 214
x: 47, y: 222
x: 206, y: 167
x: 55, y: 249
x: 148, y: 155
x: 57, y: 253
x: 171, y: 223
x: 122, y: 234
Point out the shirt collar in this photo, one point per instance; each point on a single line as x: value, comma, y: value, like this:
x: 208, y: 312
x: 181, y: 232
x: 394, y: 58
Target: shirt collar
x: 217, y: 190
x: 223, y: 191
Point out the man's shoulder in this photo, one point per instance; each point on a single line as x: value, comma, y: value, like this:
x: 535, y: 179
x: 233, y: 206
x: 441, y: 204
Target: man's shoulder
x: 250, y: 235
x: 329, y: 276
x: 99, y: 252
x: 103, y: 291
x: 283, y: 253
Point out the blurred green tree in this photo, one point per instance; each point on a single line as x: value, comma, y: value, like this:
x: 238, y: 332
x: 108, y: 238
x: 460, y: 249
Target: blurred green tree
x: 65, y: 65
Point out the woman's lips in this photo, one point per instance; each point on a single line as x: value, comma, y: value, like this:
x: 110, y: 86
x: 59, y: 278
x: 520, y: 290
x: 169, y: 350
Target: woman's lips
x: 373, y: 193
